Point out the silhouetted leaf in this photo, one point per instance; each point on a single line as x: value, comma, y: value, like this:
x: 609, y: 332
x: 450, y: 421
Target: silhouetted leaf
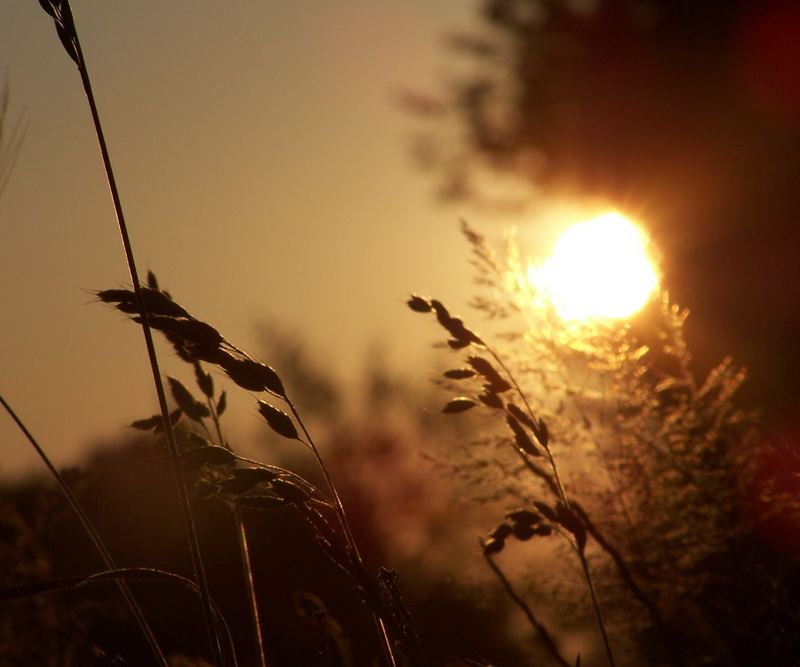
x: 204, y: 380
x: 460, y: 404
x: 222, y: 403
x: 457, y: 344
x: 459, y: 373
x: 278, y: 420
x: 195, y: 410
x: 152, y: 281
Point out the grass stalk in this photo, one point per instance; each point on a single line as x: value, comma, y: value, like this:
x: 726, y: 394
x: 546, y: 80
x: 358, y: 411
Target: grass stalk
x: 380, y: 625
x: 596, y: 604
x: 541, y: 630
x: 67, y: 32
x: 91, y: 531
x: 244, y: 553
x: 559, y: 488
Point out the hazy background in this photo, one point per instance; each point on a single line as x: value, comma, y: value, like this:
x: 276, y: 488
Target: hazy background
x: 264, y: 167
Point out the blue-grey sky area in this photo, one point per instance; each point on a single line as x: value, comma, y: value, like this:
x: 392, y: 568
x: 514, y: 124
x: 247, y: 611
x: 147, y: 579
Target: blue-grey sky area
x: 264, y: 166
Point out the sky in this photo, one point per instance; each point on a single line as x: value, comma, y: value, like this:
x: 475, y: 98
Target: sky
x: 265, y: 170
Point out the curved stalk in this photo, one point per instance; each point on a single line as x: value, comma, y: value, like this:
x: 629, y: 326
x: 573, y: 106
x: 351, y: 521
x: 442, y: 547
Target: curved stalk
x: 91, y: 531
x: 65, y: 25
x: 386, y: 644
x: 244, y: 554
x: 537, y: 625
x: 559, y: 488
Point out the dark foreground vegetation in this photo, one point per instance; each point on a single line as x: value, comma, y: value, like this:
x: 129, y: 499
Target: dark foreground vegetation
x: 587, y: 497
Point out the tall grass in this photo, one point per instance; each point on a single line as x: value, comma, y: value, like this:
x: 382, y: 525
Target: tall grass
x: 603, y: 438
x: 61, y: 13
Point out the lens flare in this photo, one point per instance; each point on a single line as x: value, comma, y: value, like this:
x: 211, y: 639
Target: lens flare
x: 599, y: 269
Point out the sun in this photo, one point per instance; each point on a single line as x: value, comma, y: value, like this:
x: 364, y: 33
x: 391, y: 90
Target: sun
x: 599, y: 269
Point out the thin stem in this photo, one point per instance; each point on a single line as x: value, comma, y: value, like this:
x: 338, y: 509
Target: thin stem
x: 247, y: 566
x: 180, y: 483
x: 596, y: 605
x: 93, y: 535
x: 244, y: 553
x: 541, y: 630
x: 386, y: 644
x: 559, y: 487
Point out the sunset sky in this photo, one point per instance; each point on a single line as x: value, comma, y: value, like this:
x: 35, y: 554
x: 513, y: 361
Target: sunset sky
x: 264, y: 165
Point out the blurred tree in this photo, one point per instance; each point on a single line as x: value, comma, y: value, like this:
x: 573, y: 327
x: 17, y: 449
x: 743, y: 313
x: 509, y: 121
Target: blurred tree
x: 687, y: 113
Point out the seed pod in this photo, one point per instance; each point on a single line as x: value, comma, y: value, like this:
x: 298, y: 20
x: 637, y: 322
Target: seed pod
x: 520, y: 415
x: 419, y: 304
x: 521, y: 437
x: 210, y: 455
x: 541, y: 432
x: 204, y: 380
x: 459, y: 373
x: 252, y: 375
x: 278, y: 420
x: 237, y: 485
x: 289, y: 491
x: 497, y: 384
x: 501, y: 532
x: 222, y: 403
x: 492, y: 547
x: 490, y: 399
x: 524, y: 517
x: 194, y: 409
x: 460, y: 404
x: 546, y: 511
x: 523, y: 532
x: 147, y: 424
x: 572, y: 522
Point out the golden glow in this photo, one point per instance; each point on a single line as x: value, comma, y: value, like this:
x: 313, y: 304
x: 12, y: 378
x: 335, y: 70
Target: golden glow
x: 599, y: 269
